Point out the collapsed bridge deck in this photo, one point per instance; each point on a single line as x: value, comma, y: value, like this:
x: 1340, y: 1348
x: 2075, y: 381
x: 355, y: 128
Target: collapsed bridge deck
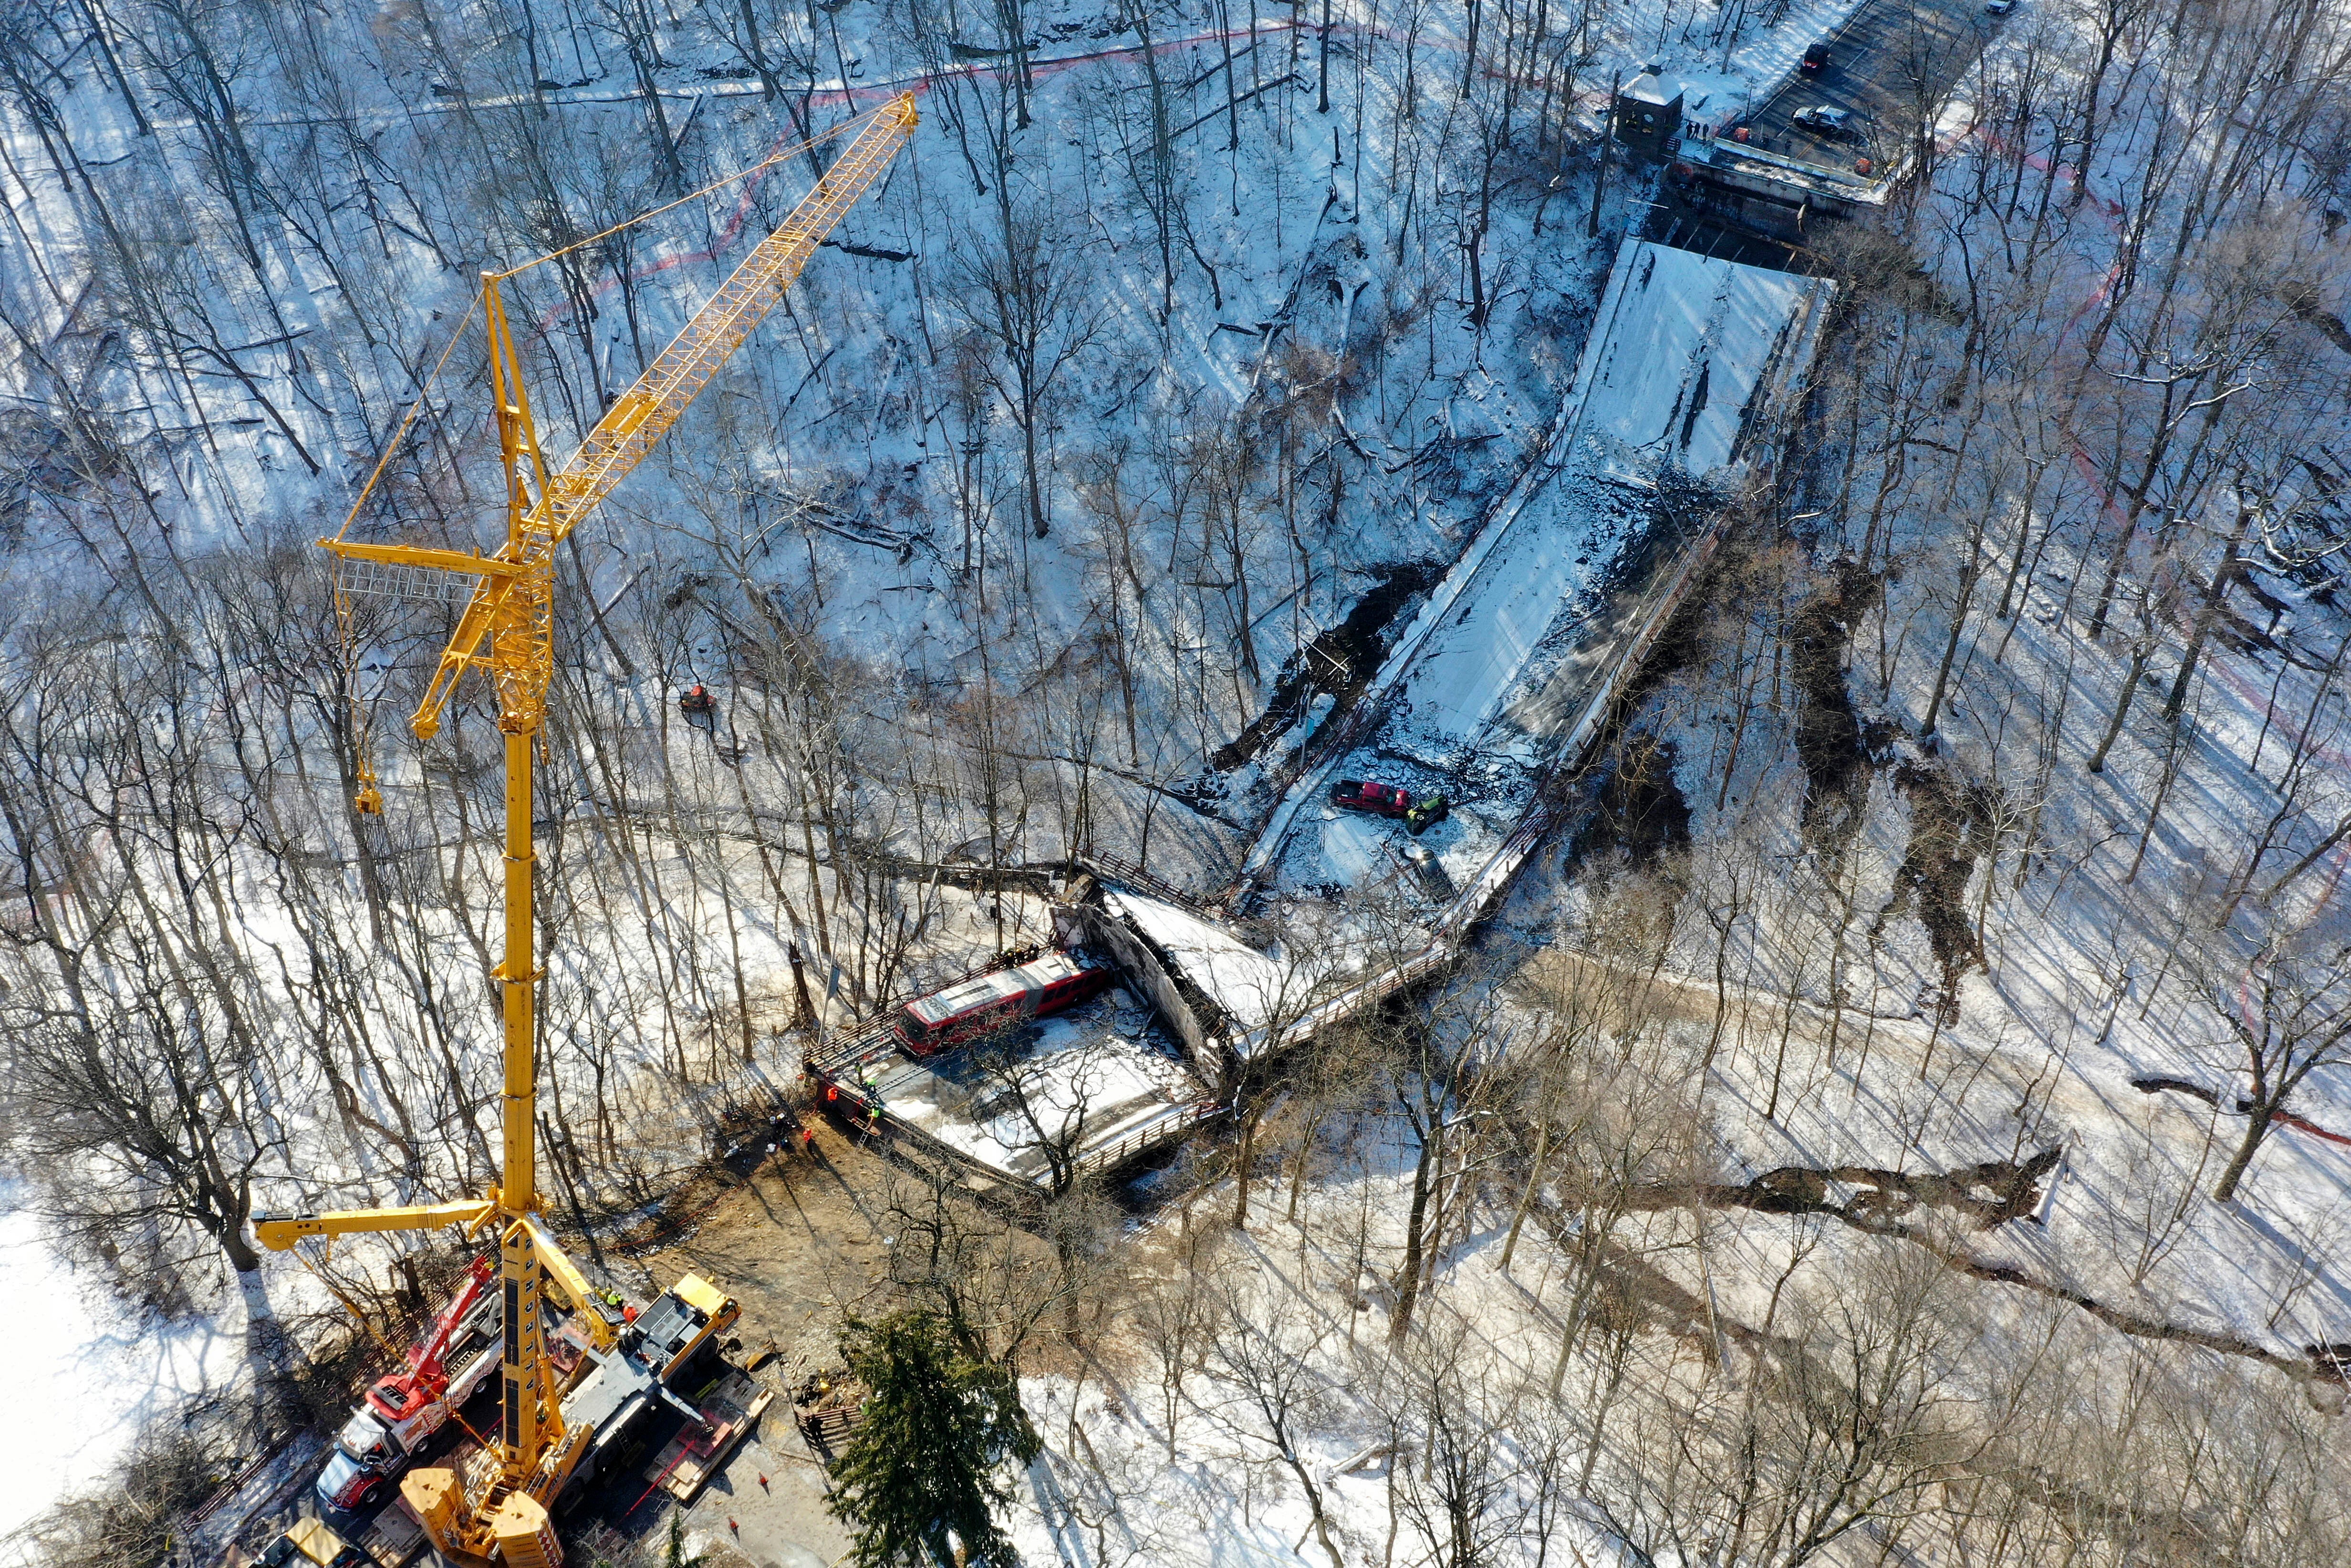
x: 1510, y: 670
x: 1502, y: 681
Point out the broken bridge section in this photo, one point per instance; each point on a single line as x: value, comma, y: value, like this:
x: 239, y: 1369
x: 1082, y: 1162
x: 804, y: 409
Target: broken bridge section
x: 1504, y: 680
x: 1509, y: 672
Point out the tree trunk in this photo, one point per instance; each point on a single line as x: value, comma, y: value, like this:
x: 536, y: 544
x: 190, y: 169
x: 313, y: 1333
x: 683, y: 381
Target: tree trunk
x: 1247, y: 1157
x: 1534, y: 1179
x: 2256, y: 1130
x: 1408, y: 1277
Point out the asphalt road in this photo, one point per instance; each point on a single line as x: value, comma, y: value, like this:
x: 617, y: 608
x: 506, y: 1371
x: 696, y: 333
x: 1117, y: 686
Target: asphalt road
x: 1894, y: 60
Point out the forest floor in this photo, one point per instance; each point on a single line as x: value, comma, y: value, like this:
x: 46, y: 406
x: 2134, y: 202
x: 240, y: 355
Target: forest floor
x: 799, y: 1244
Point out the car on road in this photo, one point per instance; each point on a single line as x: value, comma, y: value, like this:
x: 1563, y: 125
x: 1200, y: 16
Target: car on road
x: 1390, y: 801
x: 1816, y: 57
x: 1834, y: 124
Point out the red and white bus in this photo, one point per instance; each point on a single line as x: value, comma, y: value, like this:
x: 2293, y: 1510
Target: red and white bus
x: 999, y: 998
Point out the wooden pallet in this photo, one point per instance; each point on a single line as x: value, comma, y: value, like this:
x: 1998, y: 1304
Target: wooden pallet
x: 687, y: 1461
x: 828, y: 1430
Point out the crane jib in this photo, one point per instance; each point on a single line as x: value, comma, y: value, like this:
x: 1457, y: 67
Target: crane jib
x: 646, y: 413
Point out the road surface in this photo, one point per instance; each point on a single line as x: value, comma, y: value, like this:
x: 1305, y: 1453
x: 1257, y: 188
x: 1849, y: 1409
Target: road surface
x: 1888, y: 68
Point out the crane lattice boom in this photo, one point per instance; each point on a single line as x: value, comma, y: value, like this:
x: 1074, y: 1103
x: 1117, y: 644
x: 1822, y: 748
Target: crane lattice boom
x: 520, y: 657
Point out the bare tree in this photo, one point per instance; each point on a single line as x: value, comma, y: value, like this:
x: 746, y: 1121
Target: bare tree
x: 2288, y: 1011
x: 1028, y: 289
x: 1270, y: 1387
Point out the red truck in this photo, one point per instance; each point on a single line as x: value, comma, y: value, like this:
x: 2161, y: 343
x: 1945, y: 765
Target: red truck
x: 1390, y: 801
x: 454, y: 1357
x: 999, y: 998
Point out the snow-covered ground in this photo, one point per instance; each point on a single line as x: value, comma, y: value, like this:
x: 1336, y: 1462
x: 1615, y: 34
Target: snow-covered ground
x: 1721, y: 85
x: 86, y: 1374
x: 857, y: 471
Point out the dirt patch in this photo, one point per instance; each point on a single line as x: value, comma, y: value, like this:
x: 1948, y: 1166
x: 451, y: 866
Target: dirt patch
x: 2305, y: 299
x: 1339, y: 662
x: 1882, y: 1203
x: 1952, y: 826
x: 798, y: 1243
x: 1832, y: 744
x: 1989, y: 1195
x: 744, y: 1142
x: 1640, y: 808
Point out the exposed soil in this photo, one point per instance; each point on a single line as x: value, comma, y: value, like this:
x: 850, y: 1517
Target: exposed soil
x: 1640, y: 809
x: 1832, y: 744
x: 798, y: 1242
x: 1952, y: 826
x: 1339, y: 662
x: 1989, y: 1195
x: 1882, y: 1202
x: 2305, y: 299
x: 1636, y: 1290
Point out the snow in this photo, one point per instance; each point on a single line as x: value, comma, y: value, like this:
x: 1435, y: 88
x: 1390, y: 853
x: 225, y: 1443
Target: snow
x: 1668, y: 380
x: 1686, y: 343
x: 1502, y: 667
x: 84, y: 1374
x: 1090, y: 1076
x: 1720, y: 86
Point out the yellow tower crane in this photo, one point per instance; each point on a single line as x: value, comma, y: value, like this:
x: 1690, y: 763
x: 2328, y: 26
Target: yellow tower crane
x: 508, y: 628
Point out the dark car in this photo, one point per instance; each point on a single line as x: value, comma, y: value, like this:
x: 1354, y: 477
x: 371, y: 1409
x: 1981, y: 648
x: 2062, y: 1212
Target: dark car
x: 1817, y: 56
x: 1831, y: 124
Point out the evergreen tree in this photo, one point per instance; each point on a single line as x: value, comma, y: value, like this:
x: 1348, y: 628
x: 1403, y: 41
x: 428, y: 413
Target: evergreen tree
x: 674, y: 1555
x: 920, y: 1477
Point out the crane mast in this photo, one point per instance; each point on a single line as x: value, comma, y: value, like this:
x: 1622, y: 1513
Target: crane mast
x: 508, y: 628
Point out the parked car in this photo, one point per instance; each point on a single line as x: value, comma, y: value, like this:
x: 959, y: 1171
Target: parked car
x: 1999, y: 7
x: 1834, y: 124
x: 1816, y: 56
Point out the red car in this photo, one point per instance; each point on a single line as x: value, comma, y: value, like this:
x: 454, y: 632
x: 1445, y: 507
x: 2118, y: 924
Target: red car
x: 1389, y: 800
x: 1362, y: 795
x: 998, y: 999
